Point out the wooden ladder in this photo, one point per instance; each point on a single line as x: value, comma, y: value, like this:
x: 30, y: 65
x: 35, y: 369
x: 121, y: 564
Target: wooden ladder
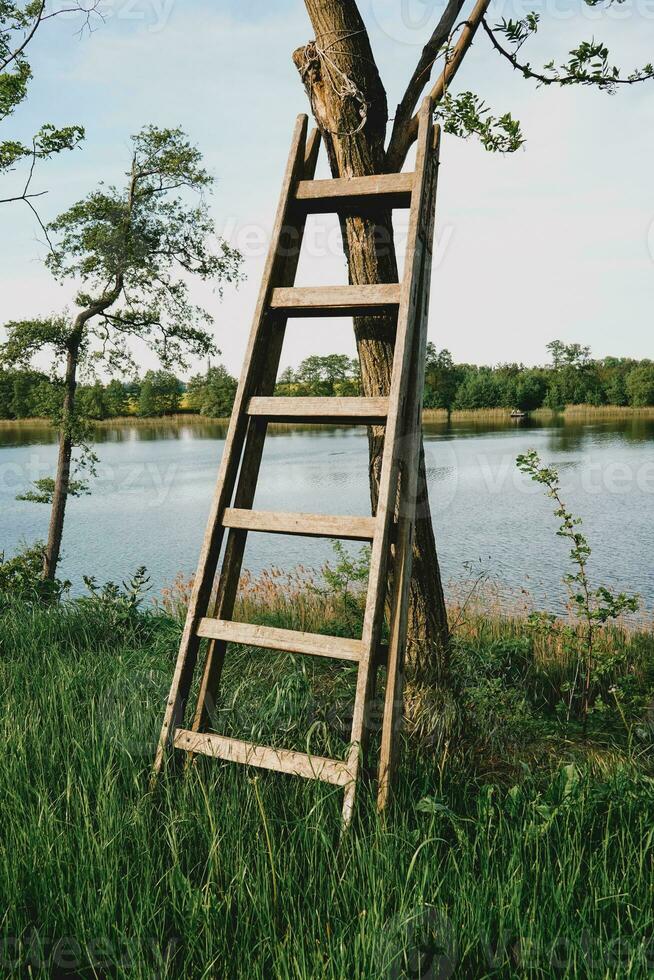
x: 390, y: 531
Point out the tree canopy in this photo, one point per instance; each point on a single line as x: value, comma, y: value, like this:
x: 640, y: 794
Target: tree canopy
x: 134, y: 250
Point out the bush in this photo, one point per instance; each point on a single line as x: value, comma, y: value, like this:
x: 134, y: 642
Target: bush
x: 120, y: 607
x: 479, y: 390
x: 492, y: 678
x: 640, y: 386
x: 212, y: 394
x: 21, y: 577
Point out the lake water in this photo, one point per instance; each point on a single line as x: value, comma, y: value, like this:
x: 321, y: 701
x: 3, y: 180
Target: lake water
x: 151, y: 498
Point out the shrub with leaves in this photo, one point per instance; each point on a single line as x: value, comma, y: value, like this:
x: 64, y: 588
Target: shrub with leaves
x: 133, y: 252
x: 492, y: 680
x: 467, y: 115
x: 21, y: 577
x: 121, y: 607
x: 346, y: 581
x: 594, y: 607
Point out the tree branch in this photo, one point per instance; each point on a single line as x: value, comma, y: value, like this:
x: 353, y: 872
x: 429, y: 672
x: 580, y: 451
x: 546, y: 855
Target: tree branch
x: 422, y: 73
x: 25, y: 196
x: 527, y: 71
x: 41, y: 17
x: 26, y: 40
x: 21, y: 197
x: 399, y: 147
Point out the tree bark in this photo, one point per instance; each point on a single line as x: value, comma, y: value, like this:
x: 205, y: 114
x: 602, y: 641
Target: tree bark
x: 342, y: 49
x: 62, y: 476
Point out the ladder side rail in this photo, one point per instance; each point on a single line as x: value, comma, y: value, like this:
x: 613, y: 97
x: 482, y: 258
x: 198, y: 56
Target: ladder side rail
x: 409, y: 302
x: 403, y: 557
x: 255, y: 359
x: 225, y: 589
x: 223, y: 599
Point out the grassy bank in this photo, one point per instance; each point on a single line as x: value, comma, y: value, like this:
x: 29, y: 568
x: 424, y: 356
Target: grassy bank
x: 182, y: 418
x: 517, y: 845
x: 571, y: 413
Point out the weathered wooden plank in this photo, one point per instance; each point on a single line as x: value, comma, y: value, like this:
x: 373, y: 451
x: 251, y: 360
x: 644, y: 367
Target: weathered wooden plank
x: 307, y: 525
x: 271, y: 638
x: 326, y: 196
x: 366, y: 411
x: 263, y: 756
x: 306, y: 301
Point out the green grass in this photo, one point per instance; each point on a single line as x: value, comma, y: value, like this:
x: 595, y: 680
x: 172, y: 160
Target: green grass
x: 518, y: 850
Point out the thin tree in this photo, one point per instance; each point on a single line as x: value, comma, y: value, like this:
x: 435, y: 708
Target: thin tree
x: 349, y: 103
x: 133, y: 251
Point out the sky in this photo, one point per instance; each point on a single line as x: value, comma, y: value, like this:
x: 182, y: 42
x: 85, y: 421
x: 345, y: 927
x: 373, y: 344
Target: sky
x: 554, y: 241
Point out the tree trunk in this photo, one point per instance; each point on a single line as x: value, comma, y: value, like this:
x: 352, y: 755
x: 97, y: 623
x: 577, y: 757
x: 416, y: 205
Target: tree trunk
x: 62, y: 477
x: 356, y: 150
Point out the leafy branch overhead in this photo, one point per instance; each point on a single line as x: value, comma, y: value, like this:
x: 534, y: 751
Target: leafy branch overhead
x: 467, y: 115
x: 588, y: 64
x: 19, y: 23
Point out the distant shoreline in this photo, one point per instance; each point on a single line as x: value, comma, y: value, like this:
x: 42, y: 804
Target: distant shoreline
x: 428, y: 415
x: 570, y: 411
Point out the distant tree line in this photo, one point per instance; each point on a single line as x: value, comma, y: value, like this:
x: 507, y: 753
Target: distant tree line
x: 32, y: 394
x: 329, y: 375
x: 572, y: 377
x: 28, y: 394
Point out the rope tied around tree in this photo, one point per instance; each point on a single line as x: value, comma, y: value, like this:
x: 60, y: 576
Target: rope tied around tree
x: 342, y: 85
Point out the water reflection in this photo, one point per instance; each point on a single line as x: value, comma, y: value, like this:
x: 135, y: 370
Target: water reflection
x: 564, y: 434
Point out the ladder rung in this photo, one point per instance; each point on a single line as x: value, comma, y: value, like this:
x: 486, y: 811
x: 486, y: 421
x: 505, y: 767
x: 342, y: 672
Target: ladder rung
x: 323, y: 196
x: 263, y: 756
x: 271, y: 638
x: 308, y: 525
x: 335, y: 300
x: 363, y: 411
